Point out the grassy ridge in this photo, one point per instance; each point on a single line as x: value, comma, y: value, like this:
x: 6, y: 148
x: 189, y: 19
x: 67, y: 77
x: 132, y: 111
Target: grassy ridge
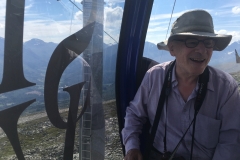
x: 38, y: 138
x: 236, y: 76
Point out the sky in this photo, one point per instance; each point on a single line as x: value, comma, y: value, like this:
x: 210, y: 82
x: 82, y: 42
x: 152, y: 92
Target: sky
x: 52, y: 20
x: 226, y: 16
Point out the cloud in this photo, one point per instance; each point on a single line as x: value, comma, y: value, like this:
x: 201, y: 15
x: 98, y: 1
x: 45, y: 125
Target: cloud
x: 112, y: 23
x: 227, y: 11
x: 229, y: 5
x: 158, y: 23
x: 235, y: 35
x: 155, y: 38
x: 54, y: 31
x: 40, y: 25
x: 2, y: 18
x: 1, y: 25
x: 158, y: 26
x: 3, y: 4
x: 114, y: 1
x: 2, y: 11
x: 236, y: 10
x: 112, y: 15
x: 166, y: 16
x: 50, y: 31
x: 160, y: 16
x: 28, y: 6
x: 157, y: 29
x: 78, y: 15
x: 222, y: 13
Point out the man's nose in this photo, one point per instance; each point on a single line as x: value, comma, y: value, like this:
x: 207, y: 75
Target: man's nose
x: 201, y: 47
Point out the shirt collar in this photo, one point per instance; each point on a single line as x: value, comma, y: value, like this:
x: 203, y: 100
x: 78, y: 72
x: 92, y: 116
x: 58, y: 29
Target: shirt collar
x: 174, y: 79
x: 175, y: 82
x: 210, y: 82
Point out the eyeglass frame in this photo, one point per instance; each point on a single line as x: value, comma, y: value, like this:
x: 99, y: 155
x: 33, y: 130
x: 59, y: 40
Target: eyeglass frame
x: 184, y: 40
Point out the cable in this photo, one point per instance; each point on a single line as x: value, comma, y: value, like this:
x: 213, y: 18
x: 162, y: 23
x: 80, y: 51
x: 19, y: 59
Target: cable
x: 170, y: 19
x: 168, y: 25
x: 110, y: 37
x: 103, y: 30
x: 76, y: 5
x: 71, y: 19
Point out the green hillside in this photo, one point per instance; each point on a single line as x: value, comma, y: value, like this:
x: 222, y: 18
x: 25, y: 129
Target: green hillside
x: 236, y: 76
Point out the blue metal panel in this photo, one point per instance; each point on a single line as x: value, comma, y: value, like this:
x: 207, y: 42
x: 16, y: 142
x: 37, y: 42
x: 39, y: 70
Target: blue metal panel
x: 130, y: 50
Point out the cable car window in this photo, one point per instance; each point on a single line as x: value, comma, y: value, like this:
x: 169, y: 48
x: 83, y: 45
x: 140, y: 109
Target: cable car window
x: 57, y: 71
x: 226, y: 21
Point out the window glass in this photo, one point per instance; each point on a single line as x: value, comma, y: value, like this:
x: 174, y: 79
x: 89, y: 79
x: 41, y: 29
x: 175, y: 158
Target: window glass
x: 57, y: 66
x: 226, y: 19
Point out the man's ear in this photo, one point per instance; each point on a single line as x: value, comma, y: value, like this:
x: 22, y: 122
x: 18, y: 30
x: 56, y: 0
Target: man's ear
x: 171, y: 48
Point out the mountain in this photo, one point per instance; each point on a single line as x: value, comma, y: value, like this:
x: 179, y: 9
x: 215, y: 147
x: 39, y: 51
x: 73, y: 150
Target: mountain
x: 105, y: 45
x: 41, y: 50
x: 109, y: 64
x: 151, y: 51
x: 233, y: 46
x: 227, y: 55
x: 36, y: 55
x: 224, y: 60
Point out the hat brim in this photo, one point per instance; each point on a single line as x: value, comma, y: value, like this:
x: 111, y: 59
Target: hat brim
x: 222, y: 40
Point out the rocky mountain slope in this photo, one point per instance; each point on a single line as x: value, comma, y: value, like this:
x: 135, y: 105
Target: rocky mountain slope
x: 40, y: 140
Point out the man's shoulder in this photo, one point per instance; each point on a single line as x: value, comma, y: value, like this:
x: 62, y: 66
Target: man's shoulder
x: 219, y: 75
x: 160, y: 67
x: 157, y: 72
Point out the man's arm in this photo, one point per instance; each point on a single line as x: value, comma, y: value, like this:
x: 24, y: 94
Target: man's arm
x: 228, y: 147
x: 136, y: 114
x: 133, y: 154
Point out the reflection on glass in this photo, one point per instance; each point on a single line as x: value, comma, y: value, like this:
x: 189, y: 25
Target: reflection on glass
x: 46, y: 25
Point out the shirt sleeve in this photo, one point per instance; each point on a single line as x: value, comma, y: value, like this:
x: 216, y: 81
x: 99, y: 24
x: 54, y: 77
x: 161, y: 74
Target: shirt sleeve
x: 228, y: 147
x: 136, y: 115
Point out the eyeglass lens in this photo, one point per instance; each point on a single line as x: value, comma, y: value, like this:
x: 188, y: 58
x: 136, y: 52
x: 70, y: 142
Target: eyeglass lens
x: 208, y: 43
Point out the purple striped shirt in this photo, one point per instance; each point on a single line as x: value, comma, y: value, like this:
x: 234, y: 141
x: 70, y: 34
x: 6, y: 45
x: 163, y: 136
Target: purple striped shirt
x: 217, y: 132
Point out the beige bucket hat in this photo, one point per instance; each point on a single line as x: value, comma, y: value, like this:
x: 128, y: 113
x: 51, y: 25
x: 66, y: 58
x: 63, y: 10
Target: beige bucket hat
x: 196, y: 23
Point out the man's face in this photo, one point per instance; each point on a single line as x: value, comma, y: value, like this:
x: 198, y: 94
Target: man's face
x: 190, y: 61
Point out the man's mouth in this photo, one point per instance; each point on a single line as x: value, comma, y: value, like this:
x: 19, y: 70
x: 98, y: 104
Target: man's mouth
x: 199, y: 60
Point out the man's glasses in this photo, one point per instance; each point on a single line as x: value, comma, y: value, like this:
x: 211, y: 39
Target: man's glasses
x: 192, y: 42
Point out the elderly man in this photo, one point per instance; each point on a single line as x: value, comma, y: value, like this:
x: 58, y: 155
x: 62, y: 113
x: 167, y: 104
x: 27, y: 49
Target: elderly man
x: 200, y: 113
